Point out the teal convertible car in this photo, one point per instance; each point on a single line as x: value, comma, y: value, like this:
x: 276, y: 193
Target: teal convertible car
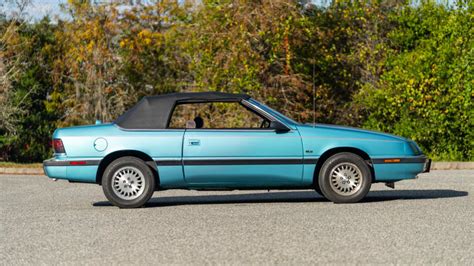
x: 221, y: 141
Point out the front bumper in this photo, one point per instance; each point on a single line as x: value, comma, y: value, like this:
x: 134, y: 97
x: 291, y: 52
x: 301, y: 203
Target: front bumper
x: 427, y: 166
x: 392, y: 169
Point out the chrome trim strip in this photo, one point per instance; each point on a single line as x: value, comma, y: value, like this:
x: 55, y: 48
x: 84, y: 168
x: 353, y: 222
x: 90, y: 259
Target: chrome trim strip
x: 259, y: 110
x: 262, y: 112
x: 393, y: 160
x: 168, y: 162
x: 229, y: 129
x: 247, y: 161
x: 210, y: 161
x: 68, y: 163
x: 150, y: 129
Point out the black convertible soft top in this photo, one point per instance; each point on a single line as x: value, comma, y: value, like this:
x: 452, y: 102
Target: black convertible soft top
x: 153, y: 112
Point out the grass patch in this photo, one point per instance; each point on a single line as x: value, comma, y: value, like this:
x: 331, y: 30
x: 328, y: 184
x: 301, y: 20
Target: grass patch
x: 20, y: 165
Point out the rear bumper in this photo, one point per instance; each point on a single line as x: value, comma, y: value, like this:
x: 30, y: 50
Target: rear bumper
x: 55, y: 169
x: 79, y: 171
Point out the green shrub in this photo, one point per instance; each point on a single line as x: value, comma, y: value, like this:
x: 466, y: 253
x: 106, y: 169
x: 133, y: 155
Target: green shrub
x: 426, y: 92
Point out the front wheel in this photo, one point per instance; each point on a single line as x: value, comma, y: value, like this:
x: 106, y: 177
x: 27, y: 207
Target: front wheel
x: 128, y: 182
x: 345, y: 178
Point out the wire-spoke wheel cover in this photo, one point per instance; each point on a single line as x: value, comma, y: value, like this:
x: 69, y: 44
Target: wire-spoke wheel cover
x: 128, y: 183
x: 346, y: 179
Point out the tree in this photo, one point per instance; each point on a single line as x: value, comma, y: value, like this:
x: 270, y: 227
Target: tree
x: 88, y: 72
x: 10, y: 64
x: 426, y: 92
x: 113, y: 56
x: 31, y: 124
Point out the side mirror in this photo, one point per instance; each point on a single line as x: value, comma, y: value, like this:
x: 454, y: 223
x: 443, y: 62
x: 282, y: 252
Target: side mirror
x: 279, y: 127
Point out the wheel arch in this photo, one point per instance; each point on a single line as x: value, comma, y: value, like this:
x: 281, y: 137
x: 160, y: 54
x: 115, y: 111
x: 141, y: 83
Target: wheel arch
x: 122, y: 153
x: 333, y: 151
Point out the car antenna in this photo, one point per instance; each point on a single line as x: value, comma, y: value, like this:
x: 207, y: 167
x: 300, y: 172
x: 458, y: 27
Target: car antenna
x: 314, y: 99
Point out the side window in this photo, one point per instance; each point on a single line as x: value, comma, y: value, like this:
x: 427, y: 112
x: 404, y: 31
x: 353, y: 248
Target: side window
x: 217, y: 115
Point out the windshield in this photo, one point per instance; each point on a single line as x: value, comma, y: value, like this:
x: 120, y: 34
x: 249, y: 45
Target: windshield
x: 274, y: 112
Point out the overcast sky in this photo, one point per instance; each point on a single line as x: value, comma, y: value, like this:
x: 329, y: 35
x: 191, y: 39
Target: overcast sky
x: 41, y: 8
x: 37, y: 9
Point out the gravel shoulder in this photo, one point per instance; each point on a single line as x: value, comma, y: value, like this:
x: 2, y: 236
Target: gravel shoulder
x: 428, y: 220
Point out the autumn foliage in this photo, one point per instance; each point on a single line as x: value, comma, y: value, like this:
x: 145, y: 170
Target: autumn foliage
x: 395, y: 66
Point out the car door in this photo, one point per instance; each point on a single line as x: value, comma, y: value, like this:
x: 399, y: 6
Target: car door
x: 240, y: 154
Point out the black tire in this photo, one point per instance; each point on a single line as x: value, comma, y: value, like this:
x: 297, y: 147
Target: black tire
x: 345, y: 178
x: 317, y: 188
x: 138, y: 167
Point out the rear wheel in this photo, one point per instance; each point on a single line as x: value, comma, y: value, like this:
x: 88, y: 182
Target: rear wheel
x: 345, y: 178
x: 128, y: 182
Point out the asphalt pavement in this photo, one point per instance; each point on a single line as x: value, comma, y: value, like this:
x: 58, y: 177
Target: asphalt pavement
x: 428, y: 220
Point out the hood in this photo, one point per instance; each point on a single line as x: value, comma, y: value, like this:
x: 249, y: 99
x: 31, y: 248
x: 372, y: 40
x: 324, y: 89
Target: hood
x: 351, y: 132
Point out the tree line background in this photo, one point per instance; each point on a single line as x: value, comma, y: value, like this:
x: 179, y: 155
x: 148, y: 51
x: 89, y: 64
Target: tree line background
x: 404, y: 67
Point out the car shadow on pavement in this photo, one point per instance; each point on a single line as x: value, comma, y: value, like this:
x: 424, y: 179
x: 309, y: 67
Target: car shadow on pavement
x: 422, y: 194
x: 295, y: 197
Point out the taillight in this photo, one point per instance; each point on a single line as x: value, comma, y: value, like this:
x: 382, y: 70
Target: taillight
x: 58, y: 146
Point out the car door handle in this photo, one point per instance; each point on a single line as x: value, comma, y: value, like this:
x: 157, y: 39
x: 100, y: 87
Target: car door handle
x: 194, y: 142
